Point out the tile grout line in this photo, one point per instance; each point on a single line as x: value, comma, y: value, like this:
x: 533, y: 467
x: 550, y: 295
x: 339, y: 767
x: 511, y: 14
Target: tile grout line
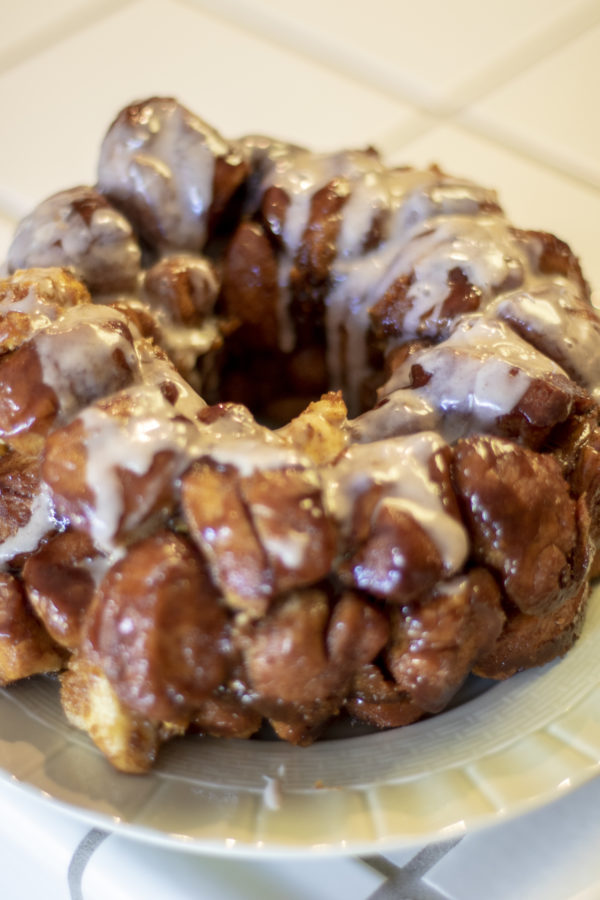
x: 415, y: 128
x: 529, y: 54
x: 352, y: 64
x: 298, y: 38
x: 551, y: 161
x: 65, y: 26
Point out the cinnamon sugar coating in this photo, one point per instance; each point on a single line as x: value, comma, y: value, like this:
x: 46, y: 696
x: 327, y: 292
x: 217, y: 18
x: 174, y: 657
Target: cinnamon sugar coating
x: 286, y: 436
x: 160, y: 607
x: 59, y: 581
x: 25, y: 646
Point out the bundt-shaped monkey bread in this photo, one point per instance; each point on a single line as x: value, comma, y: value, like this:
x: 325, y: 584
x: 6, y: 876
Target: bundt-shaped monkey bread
x: 285, y: 436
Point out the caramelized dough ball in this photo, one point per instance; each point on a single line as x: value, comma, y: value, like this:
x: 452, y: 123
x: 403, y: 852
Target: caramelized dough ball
x: 141, y: 317
x: 288, y: 516
x: 220, y: 526
x: 62, y: 369
x: 581, y: 459
x: 184, y: 286
x: 435, y: 644
x: 377, y: 700
x: 388, y: 552
x: 311, y: 272
x: 387, y: 315
x: 524, y: 524
x: 28, y: 406
x: 250, y: 286
x: 157, y: 629
x: 143, y: 499
x: 301, y: 657
x: 80, y: 229
x: 64, y: 471
x: 454, y: 377
x: 528, y: 641
x: 551, y: 256
x: 225, y: 715
x: 59, y: 581
x: 560, y: 323
x: 262, y: 534
x: 393, y: 557
x: 25, y: 647
x: 171, y: 173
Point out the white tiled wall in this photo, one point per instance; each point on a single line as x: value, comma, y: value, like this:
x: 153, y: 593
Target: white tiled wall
x: 436, y: 53
x: 544, y: 110
x: 29, y: 24
x: 503, y: 92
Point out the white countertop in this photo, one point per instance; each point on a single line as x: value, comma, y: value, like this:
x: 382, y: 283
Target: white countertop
x: 498, y: 92
x: 550, y: 854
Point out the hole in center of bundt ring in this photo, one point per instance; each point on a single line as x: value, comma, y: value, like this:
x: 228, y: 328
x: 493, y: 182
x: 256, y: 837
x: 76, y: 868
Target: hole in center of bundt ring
x: 276, y: 385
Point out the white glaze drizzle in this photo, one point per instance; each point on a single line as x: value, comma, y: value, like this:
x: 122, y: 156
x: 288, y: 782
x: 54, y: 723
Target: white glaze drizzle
x: 432, y: 224
x: 169, y: 157
x: 34, y: 302
x: 399, y: 413
x: 428, y: 227
x: 292, y: 550
x: 401, y: 466
x: 152, y: 425
x: 569, y: 329
x: 478, y: 374
x: 28, y: 536
x: 272, y: 793
x: 131, y: 443
x: 77, y: 355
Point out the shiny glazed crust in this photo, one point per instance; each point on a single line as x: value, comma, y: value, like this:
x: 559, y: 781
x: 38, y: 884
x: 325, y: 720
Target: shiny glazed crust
x: 421, y: 504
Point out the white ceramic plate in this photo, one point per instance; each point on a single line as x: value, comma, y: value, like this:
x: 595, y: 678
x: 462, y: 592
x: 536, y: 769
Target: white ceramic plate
x: 516, y: 746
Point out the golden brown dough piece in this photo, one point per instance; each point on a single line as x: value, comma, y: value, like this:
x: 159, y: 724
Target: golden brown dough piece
x: 319, y: 431
x: 157, y: 629
x: 225, y: 715
x: 380, y: 701
x: 263, y: 534
x: 524, y: 524
x: 25, y: 509
x: 88, y: 353
x: 301, y: 658
x: 186, y: 286
x: 128, y: 739
x: 435, y: 644
x: 25, y: 647
x: 529, y: 640
x: 59, y: 582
